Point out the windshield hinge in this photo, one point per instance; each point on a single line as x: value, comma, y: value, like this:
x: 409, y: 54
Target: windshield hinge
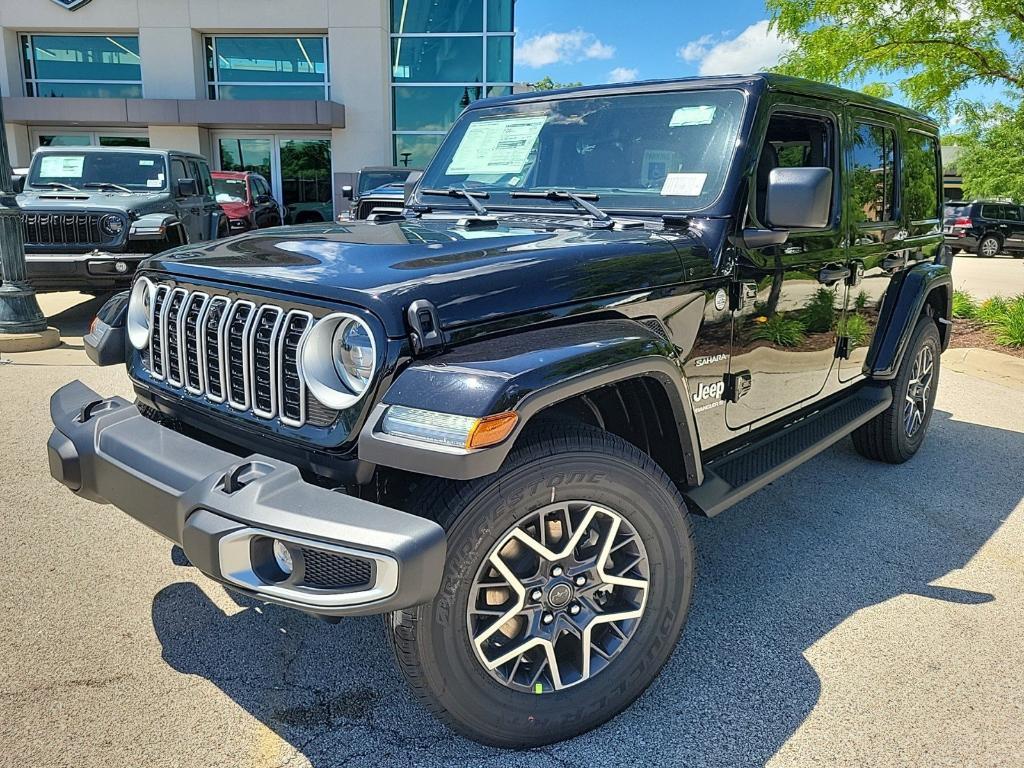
x: 425, y: 328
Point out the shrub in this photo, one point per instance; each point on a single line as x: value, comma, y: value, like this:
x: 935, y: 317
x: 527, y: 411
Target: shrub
x: 861, y: 302
x: 990, y: 310
x: 819, y: 313
x: 964, y: 305
x: 781, y: 330
x: 856, y: 329
x: 1009, y: 327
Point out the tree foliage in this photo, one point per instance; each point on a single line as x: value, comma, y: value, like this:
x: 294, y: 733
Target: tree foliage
x: 547, y: 84
x: 992, y: 155
x: 930, y: 49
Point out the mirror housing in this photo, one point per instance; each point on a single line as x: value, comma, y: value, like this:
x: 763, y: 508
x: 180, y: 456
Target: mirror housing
x: 347, y: 192
x: 410, y: 184
x: 187, y: 188
x: 799, y: 198
x: 17, y: 183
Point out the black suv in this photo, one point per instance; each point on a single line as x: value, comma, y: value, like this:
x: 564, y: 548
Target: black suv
x: 984, y: 227
x: 490, y: 416
x: 90, y: 214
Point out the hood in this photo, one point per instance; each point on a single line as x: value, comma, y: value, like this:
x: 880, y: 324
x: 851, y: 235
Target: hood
x: 87, y: 199
x: 236, y: 210
x: 470, y: 275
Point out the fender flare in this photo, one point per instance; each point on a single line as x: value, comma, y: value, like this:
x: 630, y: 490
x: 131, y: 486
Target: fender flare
x: 155, y: 226
x: 909, y: 293
x: 526, y: 374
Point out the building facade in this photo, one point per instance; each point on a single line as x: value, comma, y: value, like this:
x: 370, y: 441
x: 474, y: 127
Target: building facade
x: 305, y: 92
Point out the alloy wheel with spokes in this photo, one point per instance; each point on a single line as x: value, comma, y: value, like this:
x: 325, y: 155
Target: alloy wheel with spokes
x: 558, y: 597
x: 918, y: 397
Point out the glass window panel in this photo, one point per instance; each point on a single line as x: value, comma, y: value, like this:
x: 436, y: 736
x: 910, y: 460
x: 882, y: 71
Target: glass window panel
x: 499, y: 15
x: 499, y: 90
x: 84, y: 90
x: 124, y: 141
x: 872, y: 176
x: 499, y: 59
x: 427, y: 108
x: 270, y: 59
x: 66, y: 140
x: 920, y: 177
x: 415, y: 151
x: 85, y: 57
x: 411, y: 16
x: 306, y: 180
x: 437, y: 59
x: 244, y: 92
x: 246, y: 155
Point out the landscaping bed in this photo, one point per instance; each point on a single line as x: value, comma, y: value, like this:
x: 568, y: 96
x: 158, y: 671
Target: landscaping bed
x: 996, y: 324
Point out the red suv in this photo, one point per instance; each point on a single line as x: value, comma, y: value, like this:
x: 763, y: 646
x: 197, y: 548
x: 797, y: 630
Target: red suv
x: 246, y: 199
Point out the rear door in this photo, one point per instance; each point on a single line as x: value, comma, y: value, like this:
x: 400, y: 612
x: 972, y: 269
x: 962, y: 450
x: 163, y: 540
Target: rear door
x: 209, y: 211
x: 190, y: 206
x: 1014, y: 221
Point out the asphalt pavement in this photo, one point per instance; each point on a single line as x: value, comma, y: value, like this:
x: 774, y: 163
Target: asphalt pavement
x: 851, y: 613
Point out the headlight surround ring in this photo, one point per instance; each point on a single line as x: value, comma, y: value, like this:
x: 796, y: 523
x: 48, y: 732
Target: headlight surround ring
x: 139, y: 321
x: 112, y: 225
x: 335, y: 384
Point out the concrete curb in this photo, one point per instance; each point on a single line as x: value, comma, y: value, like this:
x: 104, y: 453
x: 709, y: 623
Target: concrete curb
x: 986, y: 364
x: 29, y: 342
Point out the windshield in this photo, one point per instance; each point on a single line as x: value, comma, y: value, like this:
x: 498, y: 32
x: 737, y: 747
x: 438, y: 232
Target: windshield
x: 641, y: 151
x: 372, y: 179
x: 230, y: 190
x: 131, y: 170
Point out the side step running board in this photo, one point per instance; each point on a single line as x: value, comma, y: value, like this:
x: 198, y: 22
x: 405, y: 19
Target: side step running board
x: 734, y: 476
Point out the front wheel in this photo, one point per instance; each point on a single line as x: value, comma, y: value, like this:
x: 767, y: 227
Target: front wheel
x: 568, y: 580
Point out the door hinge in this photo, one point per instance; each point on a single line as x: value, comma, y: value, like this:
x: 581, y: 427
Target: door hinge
x: 741, y: 295
x: 856, y: 274
x: 426, y: 333
x: 736, y: 385
x: 843, y: 347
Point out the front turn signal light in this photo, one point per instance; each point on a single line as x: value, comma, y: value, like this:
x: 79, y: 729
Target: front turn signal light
x: 492, y: 430
x: 448, y: 429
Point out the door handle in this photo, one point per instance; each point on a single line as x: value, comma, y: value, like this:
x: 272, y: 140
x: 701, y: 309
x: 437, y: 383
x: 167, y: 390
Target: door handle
x: 831, y: 275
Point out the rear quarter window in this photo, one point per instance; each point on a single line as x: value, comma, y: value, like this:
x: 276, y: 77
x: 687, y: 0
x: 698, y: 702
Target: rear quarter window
x: 921, y: 194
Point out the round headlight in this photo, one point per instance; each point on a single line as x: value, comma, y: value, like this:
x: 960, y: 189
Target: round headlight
x: 140, y: 311
x: 112, y: 225
x: 339, y: 358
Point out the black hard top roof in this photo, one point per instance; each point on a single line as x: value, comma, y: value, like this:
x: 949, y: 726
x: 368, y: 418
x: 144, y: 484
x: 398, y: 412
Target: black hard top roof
x: 121, y: 150
x: 768, y: 80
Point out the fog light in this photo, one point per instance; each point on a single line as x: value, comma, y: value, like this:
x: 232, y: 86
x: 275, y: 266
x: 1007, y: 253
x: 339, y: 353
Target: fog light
x: 283, y: 557
x: 448, y: 429
x: 121, y: 267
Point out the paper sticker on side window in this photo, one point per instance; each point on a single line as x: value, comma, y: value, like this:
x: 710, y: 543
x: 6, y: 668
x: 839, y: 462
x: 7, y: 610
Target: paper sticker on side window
x: 61, y: 166
x: 699, y: 115
x: 497, y: 146
x: 684, y: 184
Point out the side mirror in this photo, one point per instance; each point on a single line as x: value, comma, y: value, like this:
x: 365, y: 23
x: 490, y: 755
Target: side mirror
x: 188, y: 188
x: 799, y: 198
x: 17, y: 184
x: 347, y: 192
x: 410, y: 183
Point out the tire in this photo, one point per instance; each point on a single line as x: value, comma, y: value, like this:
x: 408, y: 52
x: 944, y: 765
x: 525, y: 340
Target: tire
x: 887, y: 436
x: 989, y: 246
x: 955, y: 251
x: 553, y: 465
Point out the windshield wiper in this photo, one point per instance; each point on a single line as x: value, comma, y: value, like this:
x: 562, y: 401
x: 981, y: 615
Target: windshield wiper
x: 105, y: 185
x: 580, y: 201
x: 465, y: 194
x: 57, y: 185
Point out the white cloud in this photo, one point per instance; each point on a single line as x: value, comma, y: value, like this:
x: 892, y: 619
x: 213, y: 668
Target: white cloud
x: 755, y: 48
x: 561, y: 48
x: 623, y: 74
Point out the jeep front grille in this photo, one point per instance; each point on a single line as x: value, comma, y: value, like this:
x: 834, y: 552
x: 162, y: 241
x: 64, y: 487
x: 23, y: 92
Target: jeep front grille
x: 64, y: 229
x: 233, y: 351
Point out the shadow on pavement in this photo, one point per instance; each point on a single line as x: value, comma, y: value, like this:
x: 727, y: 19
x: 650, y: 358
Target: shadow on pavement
x: 776, y: 574
x: 74, y: 321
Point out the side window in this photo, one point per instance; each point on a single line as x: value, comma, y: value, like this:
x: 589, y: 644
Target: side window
x: 793, y: 141
x: 989, y: 212
x: 178, y: 173
x: 920, y: 177
x: 1012, y: 213
x: 206, y: 180
x: 872, y: 173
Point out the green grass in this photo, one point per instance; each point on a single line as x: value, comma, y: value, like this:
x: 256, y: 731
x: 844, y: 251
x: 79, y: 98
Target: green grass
x: 861, y: 302
x: 819, y: 313
x: 964, y: 305
x: 856, y: 329
x: 779, y: 329
x: 1009, y: 327
x: 991, y: 310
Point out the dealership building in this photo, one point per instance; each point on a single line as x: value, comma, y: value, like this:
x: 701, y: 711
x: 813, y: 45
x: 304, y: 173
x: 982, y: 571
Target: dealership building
x: 304, y: 92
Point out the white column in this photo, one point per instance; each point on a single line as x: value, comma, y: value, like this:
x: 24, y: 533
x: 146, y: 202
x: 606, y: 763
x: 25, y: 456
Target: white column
x: 188, y: 138
x: 19, y: 144
x: 171, y: 63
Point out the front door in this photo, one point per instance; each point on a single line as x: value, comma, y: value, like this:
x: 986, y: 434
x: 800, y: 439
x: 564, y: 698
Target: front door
x: 784, y: 332
x: 190, y: 206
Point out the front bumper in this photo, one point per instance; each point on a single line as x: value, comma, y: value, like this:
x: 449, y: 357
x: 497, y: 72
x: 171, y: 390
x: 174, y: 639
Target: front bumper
x: 95, y: 270
x: 226, y: 511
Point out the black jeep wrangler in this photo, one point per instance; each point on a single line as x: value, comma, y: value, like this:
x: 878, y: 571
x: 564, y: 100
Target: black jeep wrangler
x: 91, y: 214
x: 489, y: 417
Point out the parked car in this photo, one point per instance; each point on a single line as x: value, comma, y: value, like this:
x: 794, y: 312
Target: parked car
x: 247, y: 200
x: 90, y: 214
x: 310, y: 212
x: 377, y: 188
x: 984, y: 227
x: 489, y: 419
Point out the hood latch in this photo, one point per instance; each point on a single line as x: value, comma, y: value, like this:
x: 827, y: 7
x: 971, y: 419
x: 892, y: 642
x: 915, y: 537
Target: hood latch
x: 426, y: 333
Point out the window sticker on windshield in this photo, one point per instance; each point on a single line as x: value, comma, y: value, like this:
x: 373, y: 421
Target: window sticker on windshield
x: 701, y: 115
x: 497, y: 146
x: 147, y: 162
x: 155, y: 183
x: 684, y: 184
x: 61, y: 166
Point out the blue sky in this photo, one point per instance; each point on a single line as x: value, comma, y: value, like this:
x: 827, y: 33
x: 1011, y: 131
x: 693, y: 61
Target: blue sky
x: 603, y: 41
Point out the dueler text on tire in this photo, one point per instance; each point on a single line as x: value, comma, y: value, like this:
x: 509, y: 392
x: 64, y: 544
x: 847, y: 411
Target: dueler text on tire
x: 898, y: 432
x: 568, y: 581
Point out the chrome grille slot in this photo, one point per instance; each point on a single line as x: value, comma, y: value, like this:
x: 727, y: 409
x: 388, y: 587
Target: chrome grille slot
x: 63, y: 229
x: 263, y: 360
x: 234, y: 351
x: 235, y: 348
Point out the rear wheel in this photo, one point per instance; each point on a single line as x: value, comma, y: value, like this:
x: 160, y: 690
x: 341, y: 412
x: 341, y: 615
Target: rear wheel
x: 989, y: 246
x: 897, y: 433
x: 568, y: 580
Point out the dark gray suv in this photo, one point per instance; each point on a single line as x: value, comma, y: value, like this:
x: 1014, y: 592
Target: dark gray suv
x: 90, y: 214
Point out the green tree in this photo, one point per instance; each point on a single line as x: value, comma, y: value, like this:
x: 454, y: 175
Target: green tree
x: 547, y: 84
x: 930, y: 49
x: 992, y: 156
